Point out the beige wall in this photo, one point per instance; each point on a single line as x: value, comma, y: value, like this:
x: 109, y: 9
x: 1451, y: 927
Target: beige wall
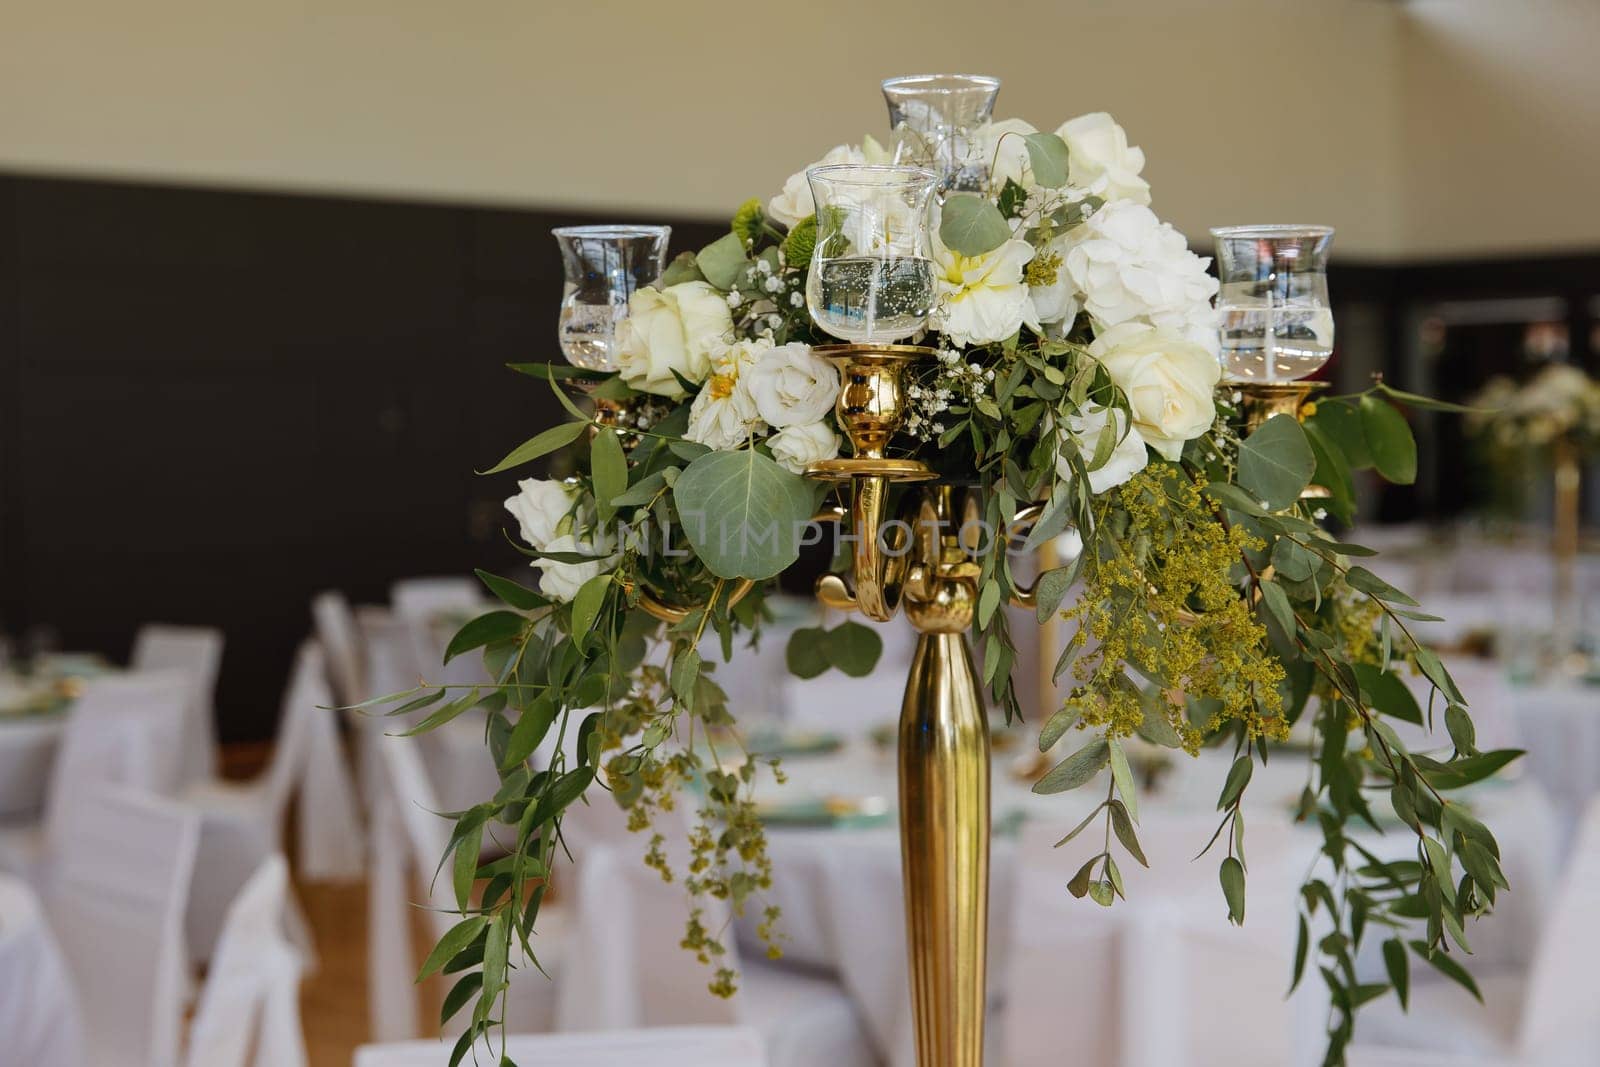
x: 1249, y: 110
x: 1502, y: 125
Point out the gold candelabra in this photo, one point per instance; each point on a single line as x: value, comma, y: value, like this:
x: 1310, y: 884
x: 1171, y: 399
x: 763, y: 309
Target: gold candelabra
x: 918, y: 560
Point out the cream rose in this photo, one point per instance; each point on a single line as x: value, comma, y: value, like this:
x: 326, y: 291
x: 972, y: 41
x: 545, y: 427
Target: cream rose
x: 1100, y: 161
x: 984, y: 298
x: 540, y: 507
x: 798, y: 446
x: 1127, y: 458
x: 1168, y: 380
x: 792, y: 385
x: 671, y: 329
x: 724, y: 413
x: 796, y: 203
x: 561, y: 581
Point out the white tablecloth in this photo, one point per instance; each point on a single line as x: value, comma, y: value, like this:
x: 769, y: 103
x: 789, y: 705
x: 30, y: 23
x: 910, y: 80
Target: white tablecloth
x: 27, y: 750
x: 1559, y: 726
x: 40, y: 1022
x: 840, y: 889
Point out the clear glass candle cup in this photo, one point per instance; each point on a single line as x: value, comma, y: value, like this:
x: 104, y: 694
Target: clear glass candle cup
x: 1276, y: 323
x: 938, y: 121
x: 603, y: 265
x: 871, y: 276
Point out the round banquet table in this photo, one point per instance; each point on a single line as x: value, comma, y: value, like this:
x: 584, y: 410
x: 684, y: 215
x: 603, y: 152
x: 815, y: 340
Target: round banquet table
x: 840, y: 893
x: 39, y: 1015
x: 28, y: 745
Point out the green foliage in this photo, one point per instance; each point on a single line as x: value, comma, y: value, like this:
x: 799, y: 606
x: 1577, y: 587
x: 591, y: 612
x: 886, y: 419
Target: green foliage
x: 1276, y: 462
x: 1389, y: 440
x: 742, y: 512
x: 972, y: 225
x: 722, y: 260
x: 1047, y: 154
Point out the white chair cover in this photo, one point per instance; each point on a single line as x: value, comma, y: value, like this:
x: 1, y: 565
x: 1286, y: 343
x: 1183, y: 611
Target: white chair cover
x: 624, y: 968
x: 116, y: 900
x: 123, y: 730
x: 328, y: 816
x: 681, y: 1046
x: 336, y: 629
x: 196, y: 650
x: 242, y: 823
x: 1175, y: 970
x: 1559, y: 1025
x: 39, y: 1013
x: 408, y: 837
x: 249, y: 1009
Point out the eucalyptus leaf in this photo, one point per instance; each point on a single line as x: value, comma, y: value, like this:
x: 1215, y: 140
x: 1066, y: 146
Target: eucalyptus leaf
x: 457, y: 938
x: 541, y: 444
x: 972, y: 225
x: 743, y: 513
x: 722, y: 260
x: 494, y: 626
x: 609, y: 468
x: 1122, y: 775
x: 854, y: 648
x: 512, y: 593
x: 1389, y: 440
x: 1062, y: 720
x: 1231, y: 875
x: 1276, y: 462
x: 1047, y: 153
x: 1076, y: 769
x: 806, y: 655
x: 683, y: 268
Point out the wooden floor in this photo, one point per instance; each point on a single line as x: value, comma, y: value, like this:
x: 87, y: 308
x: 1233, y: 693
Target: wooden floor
x: 333, y: 997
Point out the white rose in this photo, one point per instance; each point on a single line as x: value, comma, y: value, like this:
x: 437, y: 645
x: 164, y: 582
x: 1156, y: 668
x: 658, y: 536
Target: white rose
x: 540, y: 507
x: 1129, y: 265
x: 792, y: 385
x: 671, y: 329
x: 561, y: 581
x: 1127, y: 458
x: 795, y: 202
x: 1168, y: 380
x: 1099, y: 160
x: 724, y: 413
x: 798, y: 446
x: 1007, y: 156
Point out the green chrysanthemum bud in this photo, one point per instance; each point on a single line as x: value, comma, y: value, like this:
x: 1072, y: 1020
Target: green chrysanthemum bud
x: 797, y: 247
x: 747, y: 221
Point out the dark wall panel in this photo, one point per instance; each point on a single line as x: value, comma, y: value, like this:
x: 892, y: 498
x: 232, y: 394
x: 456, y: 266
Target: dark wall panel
x: 214, y: 404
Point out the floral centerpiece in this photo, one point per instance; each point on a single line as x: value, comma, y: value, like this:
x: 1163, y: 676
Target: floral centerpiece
x: 1560, y: 402
x: 1076, y: 371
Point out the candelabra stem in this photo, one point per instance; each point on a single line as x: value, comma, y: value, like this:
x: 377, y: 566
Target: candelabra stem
x: 944, y: 841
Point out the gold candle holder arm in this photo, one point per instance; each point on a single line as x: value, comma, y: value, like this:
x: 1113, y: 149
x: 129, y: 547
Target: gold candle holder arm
x: 676, y: 613
x: 1025, y: 520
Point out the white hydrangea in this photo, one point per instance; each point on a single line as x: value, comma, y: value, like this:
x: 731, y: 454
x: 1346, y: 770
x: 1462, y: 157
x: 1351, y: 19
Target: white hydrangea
x: 1130, y: 266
